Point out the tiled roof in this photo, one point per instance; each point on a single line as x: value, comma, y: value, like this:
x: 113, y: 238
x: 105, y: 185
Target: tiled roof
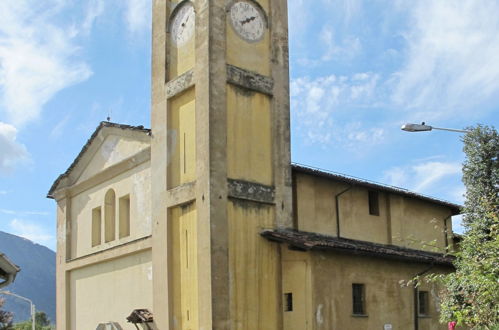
x: 316, y: 242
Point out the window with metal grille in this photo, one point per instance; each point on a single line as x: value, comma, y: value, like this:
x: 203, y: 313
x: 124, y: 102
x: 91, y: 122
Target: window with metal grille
x: 358, y: 299
x: 423, y: 303
x: 288, y: 302
x: 373, y: 202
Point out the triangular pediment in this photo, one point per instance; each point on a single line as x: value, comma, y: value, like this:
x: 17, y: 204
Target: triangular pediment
x: 109, y: 145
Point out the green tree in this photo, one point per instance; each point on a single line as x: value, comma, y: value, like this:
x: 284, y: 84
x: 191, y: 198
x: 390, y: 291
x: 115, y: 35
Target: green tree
x: 5, y: 318
x: 42, y: 322
x: 471, y: 294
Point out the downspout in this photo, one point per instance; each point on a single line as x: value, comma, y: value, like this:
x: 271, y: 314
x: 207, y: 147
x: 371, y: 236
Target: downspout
x: 337, y: 203
x: 415, y: 290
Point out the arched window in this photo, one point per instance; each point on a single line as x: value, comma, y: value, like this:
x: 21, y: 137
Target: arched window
x: 109, y: 216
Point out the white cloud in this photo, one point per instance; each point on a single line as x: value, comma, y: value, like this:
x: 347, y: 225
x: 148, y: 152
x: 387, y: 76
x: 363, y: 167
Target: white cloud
x: 422, y: 177
x: 357, y: 133
x: 317, y: 102
x: 95, y: 8
x: 347, y: 48
x: 30, y: 231
x: 451, y: 64
x: 138, y: 15
x: 3, y: 192
x: 38, y: 58
x: 58, y: 129
x: 23, y: 213
x: 11, y: 151
x: 432, y: 172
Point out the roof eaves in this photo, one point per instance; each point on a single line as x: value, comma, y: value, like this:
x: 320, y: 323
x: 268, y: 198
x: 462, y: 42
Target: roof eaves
x: 313, y: 241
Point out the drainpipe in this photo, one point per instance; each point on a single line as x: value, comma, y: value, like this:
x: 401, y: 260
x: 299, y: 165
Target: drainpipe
x: 337, y: 201
x: 415, y: 289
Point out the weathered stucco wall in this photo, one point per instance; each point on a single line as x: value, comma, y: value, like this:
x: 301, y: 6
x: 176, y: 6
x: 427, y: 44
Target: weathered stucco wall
x: 418, y: 224
x: 387, y: 301
x: 253, y: 268
x: 110, y: 291
x: 136, y: 183
x: 402, y: 220
x: 249, y: 136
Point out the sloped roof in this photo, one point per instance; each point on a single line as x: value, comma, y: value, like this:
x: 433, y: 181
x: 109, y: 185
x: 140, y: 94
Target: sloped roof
x: 102, y: 125
x: 316, y: 242
x: 456, y: 209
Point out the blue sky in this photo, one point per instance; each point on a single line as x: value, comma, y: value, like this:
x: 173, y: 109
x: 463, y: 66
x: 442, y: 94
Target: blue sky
x: 359, y: 69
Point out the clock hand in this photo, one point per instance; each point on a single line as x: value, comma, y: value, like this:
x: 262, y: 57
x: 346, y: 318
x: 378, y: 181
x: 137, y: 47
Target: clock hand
x: 183, y: 24
x: 247, y: 20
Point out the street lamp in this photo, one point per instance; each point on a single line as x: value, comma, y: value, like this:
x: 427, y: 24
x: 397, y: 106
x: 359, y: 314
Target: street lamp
x: 424, y: 128
x: 25, y: 299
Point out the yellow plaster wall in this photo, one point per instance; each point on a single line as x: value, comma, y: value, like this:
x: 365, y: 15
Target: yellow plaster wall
x: 315, y: 207
x: 135, y: 182
x: 249, y: 145
x: 355, y: 220
x: 113, y: 149
x: 297, y: 279
x: 253, y: 56
x: 182, y: 139
x: 387, y: 302
x: 402, y: 221
x: 183, y: 238
x: 418, y: 224
x: 110, y: 291
x: 253, y: 268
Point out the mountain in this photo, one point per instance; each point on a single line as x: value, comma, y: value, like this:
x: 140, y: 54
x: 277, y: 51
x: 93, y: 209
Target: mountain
x: 35, y: 281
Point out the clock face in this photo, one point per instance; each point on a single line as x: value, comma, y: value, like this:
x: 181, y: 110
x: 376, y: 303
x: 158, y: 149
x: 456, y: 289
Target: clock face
x: 247, y: 20
x: 182, y: 24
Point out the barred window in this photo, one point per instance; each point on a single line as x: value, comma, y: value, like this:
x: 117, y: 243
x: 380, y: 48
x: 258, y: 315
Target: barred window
x: 358, y: 299
x: 423, y: 303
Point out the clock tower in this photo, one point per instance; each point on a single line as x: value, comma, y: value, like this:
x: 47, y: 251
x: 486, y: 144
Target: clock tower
x: 220, y: 162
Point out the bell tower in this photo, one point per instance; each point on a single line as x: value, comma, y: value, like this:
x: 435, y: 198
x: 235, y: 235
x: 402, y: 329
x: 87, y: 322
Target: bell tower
x: 220, y: 162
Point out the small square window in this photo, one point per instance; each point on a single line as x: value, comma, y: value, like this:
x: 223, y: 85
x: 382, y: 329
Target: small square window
x: 358, y: 299
x: 423, y: 303
x: 373, y: 202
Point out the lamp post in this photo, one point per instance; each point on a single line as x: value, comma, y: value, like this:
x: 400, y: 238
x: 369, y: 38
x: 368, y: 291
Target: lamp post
x: 25, y: 299
x: 424, y: 128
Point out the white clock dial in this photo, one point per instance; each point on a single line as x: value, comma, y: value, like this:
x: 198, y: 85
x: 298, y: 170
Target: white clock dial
x: 247, y: 20
x: 182, y: 24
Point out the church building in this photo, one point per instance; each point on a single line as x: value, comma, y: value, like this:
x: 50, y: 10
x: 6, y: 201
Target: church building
x: 202, y: 222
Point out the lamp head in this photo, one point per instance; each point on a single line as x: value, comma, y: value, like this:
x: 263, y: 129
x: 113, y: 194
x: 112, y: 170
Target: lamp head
x: 416, y: 127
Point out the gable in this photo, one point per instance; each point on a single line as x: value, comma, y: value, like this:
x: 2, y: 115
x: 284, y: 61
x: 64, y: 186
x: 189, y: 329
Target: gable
x: 109, y: 145
x: 112, y: 150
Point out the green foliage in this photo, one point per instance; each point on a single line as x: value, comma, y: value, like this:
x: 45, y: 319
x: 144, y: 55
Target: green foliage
x: 5, y: 318
x: 471, y: 293
x: 42, y: 322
